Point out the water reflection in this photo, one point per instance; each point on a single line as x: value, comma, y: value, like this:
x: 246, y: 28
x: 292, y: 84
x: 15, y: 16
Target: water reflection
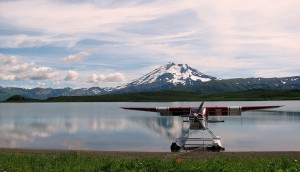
x: 262, y: 118
x: 169, y: 127
x: 89, y: 131
x: 15, y: 134
x: 104, y: 126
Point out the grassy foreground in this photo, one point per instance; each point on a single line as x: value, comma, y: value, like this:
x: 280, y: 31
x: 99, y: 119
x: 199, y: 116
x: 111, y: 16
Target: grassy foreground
x: 74, y: 161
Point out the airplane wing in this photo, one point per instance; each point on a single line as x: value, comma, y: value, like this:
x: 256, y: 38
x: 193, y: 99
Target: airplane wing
x: 210, y: 110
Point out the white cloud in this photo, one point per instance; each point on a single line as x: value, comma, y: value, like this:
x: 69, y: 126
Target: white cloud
x: 8, y: 60
x: 71, y: 76
x: 76, y: 57
x: 7, y: 77
x: 23, y: 41
x: 40, y: 85
x: 114, y: 77
x: 16, y: 68
x: 55, y: 17
x: 42, y: 73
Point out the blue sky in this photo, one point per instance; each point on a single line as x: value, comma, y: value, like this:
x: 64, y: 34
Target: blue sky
x: 72, y: 43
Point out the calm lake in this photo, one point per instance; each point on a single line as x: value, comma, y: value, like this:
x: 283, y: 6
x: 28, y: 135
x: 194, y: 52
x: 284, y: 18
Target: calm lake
x: 105, y: 126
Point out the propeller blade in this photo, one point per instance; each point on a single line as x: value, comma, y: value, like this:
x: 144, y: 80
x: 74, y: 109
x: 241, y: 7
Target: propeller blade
x: 200, y: 108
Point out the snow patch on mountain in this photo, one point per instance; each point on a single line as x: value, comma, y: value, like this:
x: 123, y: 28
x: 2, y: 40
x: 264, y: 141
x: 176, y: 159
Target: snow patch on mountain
x: 96, y: 91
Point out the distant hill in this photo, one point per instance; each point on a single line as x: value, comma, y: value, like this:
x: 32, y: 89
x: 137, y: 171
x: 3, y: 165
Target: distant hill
x: 169, y: 96
x: 44, y: 93
x: 18, y: 98
x: 243, y: 84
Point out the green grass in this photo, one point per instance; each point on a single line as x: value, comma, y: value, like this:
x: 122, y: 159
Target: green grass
x: 72, y: 161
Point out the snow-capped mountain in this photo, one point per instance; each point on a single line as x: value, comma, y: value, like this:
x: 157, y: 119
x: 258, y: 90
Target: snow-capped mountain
x: 167, y: 76
x: 177, y: 74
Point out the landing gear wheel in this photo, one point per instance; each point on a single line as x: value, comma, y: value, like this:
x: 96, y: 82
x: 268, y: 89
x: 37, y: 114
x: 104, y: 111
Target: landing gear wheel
x: 174, y: 147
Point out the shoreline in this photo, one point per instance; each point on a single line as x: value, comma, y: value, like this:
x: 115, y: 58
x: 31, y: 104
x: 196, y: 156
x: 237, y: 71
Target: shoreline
x: 200, y: 155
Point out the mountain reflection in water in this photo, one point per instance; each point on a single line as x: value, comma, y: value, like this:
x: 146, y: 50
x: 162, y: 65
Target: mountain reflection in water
x: 104, y: 126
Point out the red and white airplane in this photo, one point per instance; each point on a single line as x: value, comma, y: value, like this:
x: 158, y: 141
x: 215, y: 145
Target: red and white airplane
x: 198, y: 118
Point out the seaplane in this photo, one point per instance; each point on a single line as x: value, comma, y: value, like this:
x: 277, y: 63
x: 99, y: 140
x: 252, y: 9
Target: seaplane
x: 198, y: 119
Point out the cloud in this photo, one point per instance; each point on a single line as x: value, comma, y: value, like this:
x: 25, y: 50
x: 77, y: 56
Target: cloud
x: 56, y: 17
x: 114, y: 77
x: 7, y: 77
x: 42, y: 73
x: 40, y: 85
x: 8, y: 60
x: 75, y: 57
x: 71, y: 76
x: 16, y: 68
x: 23, y: 40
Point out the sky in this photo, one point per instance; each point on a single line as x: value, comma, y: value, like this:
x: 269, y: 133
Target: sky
x: 106, y: 43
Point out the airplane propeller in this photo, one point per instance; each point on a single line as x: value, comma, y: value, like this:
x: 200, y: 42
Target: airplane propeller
x: 200, y: 108
x: 197, y: 116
